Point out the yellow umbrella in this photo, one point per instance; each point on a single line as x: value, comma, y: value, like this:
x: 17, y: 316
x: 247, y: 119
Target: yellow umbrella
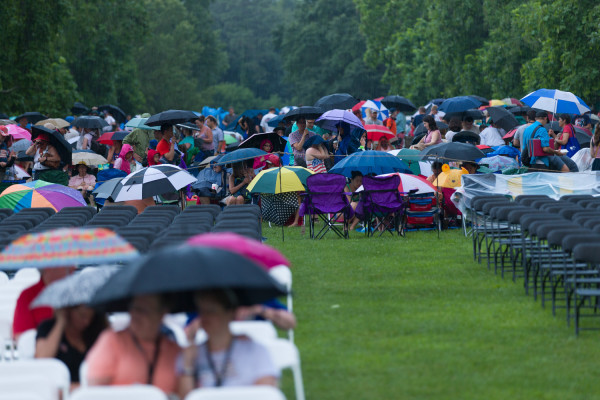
x: 496, y: 102
x: 449, y: 178
x: 280, y: 180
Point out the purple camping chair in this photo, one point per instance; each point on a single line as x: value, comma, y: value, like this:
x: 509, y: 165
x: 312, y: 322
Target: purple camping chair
x: 381, y: 205
x: 325, y: 197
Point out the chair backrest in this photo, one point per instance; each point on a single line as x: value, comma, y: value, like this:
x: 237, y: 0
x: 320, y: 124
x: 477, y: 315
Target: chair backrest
x: 26, y: 344
x: 27, y: 275
x: 130, y: 392
x: 283, y: 275
x: 26, y: 386
x: 50, y: 368
x: 259, y: 331
x: 326, y: 193
x: 382, y: 191
x: 236, y: 393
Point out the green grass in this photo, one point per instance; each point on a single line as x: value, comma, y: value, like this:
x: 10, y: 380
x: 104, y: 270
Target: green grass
x: 417, y: 318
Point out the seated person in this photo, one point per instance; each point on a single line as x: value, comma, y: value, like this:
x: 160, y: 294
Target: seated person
x: 125, y: 162
x: 471, y: 167
x: 82, y: 180
x: 351, y: 187
x: 436, y: 168
x: 238, y: 182
x: 260, y: 162
x: 153, y: 157
x: 210, y: 183
x: 537, y: 131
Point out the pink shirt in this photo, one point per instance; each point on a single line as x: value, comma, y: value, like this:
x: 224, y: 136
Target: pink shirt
x: 427, y: 138
x: 87, y: 180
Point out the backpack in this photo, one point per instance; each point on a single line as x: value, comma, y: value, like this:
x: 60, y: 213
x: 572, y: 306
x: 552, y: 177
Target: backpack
x: 526, y: 154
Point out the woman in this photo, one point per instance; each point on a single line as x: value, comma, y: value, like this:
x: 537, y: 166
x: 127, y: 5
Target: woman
x: 316, y: 154
x: 187, y: 145
x: 114, y: 150
x: 352, y: 187
x: 595, y: 150
x: 436, y: 169
x: 565, y: 139
x: 260, y: 162
x: 139, y: 354
x: 85, y: 139
x: 45, y: 156
x: 238, y: 181
x: 433, y: 136
x: 224, y: 359
x: 247, y: 126
x: 69, y: 335
x: 454, y: 126
x: 7, y: 157
x: 204, y: 133
x: 82, y: 180
x: 125, y: 162
x: 384, y: 144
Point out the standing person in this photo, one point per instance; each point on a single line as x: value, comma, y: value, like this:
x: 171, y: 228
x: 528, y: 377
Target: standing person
x: 247, y: 126
x: 297, y: 139
x: 433, y: 136
x: 595, y: 150
x: 7, y: 157
x: 316, y: 154
x: 491, y: 136
x: 85, y: 139
x: 23, y: 122
x: 567, y: 139
x: 390, y: 122
x: 166, y: 145
x: 45, y: 156
x: 110, y: 120
x: 218, y: 135
x: 204, y: 133
x: 537, y: 131
x: 230, y: 117
x: 372, y: 117
x: 264, y: 122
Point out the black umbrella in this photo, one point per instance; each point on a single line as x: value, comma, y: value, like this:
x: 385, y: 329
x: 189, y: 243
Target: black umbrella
x: 452, y: 152
x: 32, y: 117
x: 4, y: 116
x: 467, y: 137
x: 89, y: 122
x: 554, y: 125
x: 278, y: 208
x: 421, y: 128
x: 79, y: 108
x: 582, y: 136
x: 503, y: 118
x: 480, y: 99
x: 473, y: 113
x: 115, y: 111
x: 57, y: 140
x: 341, y: 101
x: 181, y: 271
x: 399, y: 103
x: 119, y: 135
x: 255, y: 140
x: 418, y: 138
x: 519, y: 109
x: 171, y: 117
x: 306, y: 112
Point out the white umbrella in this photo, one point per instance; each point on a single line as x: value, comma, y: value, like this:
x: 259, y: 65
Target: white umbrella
x: 556, y: 101
x: 88, y: 158
x: 152, y: 181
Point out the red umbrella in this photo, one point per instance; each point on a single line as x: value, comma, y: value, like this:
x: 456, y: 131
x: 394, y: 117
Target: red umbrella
x: 358, y: 106
x: 376, y: 132
x: 510, y: 134
x: 106, y: 138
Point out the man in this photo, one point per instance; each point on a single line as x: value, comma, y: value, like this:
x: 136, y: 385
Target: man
x: 518, y: 138
x: 297, y: 139
x: 218, y: 135
x: 491, y: 136
x: 390, y: 122
x: 110, y: 120
x: 468, y: 125
x: 166, y: 145
x: 264, y: 122
x: 436, y: 114
x: 23, y: 121
x: 583, y: 121
x: 537, y: 131
x: 229, y: 118
x: 372, y: 117
x: 418, y: 119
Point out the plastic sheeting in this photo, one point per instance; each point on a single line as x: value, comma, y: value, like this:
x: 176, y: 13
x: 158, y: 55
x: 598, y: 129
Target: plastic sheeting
x: 551, y: 184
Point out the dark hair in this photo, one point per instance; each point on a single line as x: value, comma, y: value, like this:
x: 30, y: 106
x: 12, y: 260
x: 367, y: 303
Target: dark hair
x: 431, y: 121
x: 200, y: 117
x: 437, y: 165
x: 454, y: 124
x: 468, y: 118
x: 213, y: 119
x: 566, y: 118
x: 541, y: 114
x: 531, y: 115
x: 164, y: 127
x: 94, y: 329
x: 225, y: 297
x: 354, y: 174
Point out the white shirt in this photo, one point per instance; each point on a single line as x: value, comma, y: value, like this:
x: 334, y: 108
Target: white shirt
x: 491, y: 136
x: 264, y: 122
x: 450, y: 135
x: 110, y: 120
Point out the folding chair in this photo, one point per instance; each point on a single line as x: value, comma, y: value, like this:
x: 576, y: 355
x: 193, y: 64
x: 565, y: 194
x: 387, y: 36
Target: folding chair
x: 589, y: 253
x: 27, y: 387
x: 214, y: 209
x: 235, y: 393
x: 131, y: 392
x: 423, y: 212
x: 50, y: 368
x: 326, y: 199
x: 381, y: 205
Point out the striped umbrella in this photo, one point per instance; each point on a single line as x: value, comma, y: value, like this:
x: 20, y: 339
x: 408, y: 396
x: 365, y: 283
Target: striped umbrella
x: 66, y: 247
x: 556, y: 101
x: 376, y: 132
x: 152, y: 181
x: 40, y: 194
x: 280, y: 180
x: 382, y: 111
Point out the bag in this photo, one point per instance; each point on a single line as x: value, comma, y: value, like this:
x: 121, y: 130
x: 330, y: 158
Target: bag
x: 536, y: 148
x: 572, y: 145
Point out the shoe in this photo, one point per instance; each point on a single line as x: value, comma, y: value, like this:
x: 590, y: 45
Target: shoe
x: 360, y: 230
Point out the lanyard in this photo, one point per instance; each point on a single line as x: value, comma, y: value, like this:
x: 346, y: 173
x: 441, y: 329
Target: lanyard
x: 219, y: 376
x: 151, y: 364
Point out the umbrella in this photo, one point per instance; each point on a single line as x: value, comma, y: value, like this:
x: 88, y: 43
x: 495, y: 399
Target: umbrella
x: 449, y: 178
x: 89, y: 122
x: 376, y: 132
x: 118, y: 114
x: 411, y: 157
x: 3, y: 116
x: 152, y: 181
x: 485, y: 148
x: 436, y: 101
x: 399, y: 103
x: 452, y: 152
x: 459, y: 104
x: 556, y: 101
x: 510, y: 134
x: 519, y: 109
x: 421, y: 128
x: 480, y: 99
x: 499, y: 163
x: 370, y: 161
x: 74, y: 290
x: 358, y: 105
x: 273, y: 122
x: 473, y: 113
x: 241, y: 155
x: 65, y: 247
x: 106, y: 189
x: 255, y: 140
x: 467, y: 137
x: 59, y: 123
x: 512, y: 101
x: 306, y: 112
x: 32, y: 117
x: 258, y: 252
x: 79, y: 108
x: 40, y: 194
x: 231, y: 139
x: 496, y: 103
x: 503, y: 118
x: 410, y: 183
x: 583, y: 136
x: 88, y: 157
x: 17, y: 132
x: 171, y: 117
x: 382, y: 111
x: 313, y: 141
x: 108, y: 137
x: 343, y: 101
x: 57, y: 140
x: 183, y: 270
x: 280, y: 180
x: 19, y: 172
x: 7, y: 122
x: 140, y: 123
x: 554, y: 125
x: 21, y: 145
x: 278, y: 208
x: 331, y: 119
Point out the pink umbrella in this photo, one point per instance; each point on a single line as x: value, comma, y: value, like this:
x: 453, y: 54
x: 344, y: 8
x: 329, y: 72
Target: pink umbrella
x: 17, y: 132
x: 264, y: 255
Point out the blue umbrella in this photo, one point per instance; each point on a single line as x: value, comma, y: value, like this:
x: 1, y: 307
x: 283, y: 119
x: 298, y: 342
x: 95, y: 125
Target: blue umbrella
x: 556, y: 101
x: 458, y: 104
x: 331, y: 119
x: 241, y: 155
x: 370, y: 161
x: 273, y: 122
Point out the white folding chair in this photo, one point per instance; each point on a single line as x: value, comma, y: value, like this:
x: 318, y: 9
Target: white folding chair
x: 3, y: 278
x: 283, y: 275
x: 27, y: 276
x: 27, y: 386
x: 26, y: 345
x: 285, y: 355
x: 83, y: 368
x: 55, y: 371
x: 7, y: 345
x: 236, y: 393
x: 129, y: 392
x: 259, y: 331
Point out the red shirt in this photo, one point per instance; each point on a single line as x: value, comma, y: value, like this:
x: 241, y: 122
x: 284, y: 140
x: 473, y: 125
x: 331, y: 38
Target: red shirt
x: 26, y: 318
x: 163, y: 147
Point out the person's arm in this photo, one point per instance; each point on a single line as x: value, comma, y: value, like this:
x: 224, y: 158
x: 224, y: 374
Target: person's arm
x: 50, y: 156
x: 435, y: 136
x: 562, y: 139
x: 47, y: 347
x: 551, y: 151
x: 233, y: 188
x: 299, y: 145
x: 31, y: 150
x: 171, y: 153
x: 111, y: 153
x: 84, y: 144
x: 209, y: 136
x: 267, y: 380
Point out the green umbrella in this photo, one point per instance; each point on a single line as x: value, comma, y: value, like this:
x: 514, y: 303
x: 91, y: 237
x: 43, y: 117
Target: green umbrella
x: 280, y: 180
x: 411, y: 158
x: 230, y: 139
x: 141, y: 123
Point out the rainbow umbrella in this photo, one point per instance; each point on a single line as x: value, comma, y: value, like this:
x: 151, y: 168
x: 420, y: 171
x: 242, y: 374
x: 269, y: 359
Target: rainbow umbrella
x: 66, y: 247
x: 40, y: 194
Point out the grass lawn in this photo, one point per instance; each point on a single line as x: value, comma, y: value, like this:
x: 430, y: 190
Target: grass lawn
x: 417, y: 318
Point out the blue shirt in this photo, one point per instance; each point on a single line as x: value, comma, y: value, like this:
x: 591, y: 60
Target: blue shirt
x: 541, y: 134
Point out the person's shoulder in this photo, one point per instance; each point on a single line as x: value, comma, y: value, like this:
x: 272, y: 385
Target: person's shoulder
x: 32, y: 291
x: 45, y: 327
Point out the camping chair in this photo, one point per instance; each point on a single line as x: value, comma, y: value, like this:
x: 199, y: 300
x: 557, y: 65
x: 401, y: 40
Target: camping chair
x: 423, y: 212
x: 381, y: 204
x: 326, y: 199
x: 449, y: 210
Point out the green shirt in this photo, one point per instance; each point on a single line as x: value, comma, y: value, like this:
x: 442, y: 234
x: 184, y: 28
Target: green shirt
x: 139, y: 139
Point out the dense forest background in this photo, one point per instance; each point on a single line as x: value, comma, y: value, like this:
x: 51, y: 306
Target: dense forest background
x: 152, y: 55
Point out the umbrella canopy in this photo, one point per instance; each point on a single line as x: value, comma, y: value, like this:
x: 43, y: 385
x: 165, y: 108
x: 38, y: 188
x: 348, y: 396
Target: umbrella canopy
x: 107, y: 188
x: 556, y: 101
x: 376, y: 132
x: 583, y: 136
x: 422, y: 130
x: 263, y: 255
x: 255, y: 140
x: 273, y: 122
x: 241, y: 155
x: 452, y: 152
x: 510, y: 134
x: 467, y: 137
x: 171, y: 117
x: 512, y: 101
x: 473, y: 113
x: 230, y: 138
x: 399, y: 103
x: 306, y: 112
x: 278, y: 208
x: 118, y: 114
x: 74, y: 290
x: 459, y: 104
x: 370, y: 161
x: 109, y: 137
x: 482, y: 100
x: 331, y: 119
x: 17, y: 132
x: 183, y: 270
x: 152, y: 181
x: 382, y: 112
x: 503, y: 118
x: 32, y: 117
x: 65, y: 247
x: 7, y: 122
x: 37, y: 194
x: 59, y: 123
x: 341, y: 101
x: 450, y: 178
x: 57, y: 140
x: 21, y: 145
x: 140, y: 123
x: 280, y: 180
x: 89, y: 122
x: 411, y: 157
x: 496, y: 103
x: 410, y: 183
x: 88, y: 157
x: 519, y: 109
x: 19, y: 172
x: 79, y: 108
